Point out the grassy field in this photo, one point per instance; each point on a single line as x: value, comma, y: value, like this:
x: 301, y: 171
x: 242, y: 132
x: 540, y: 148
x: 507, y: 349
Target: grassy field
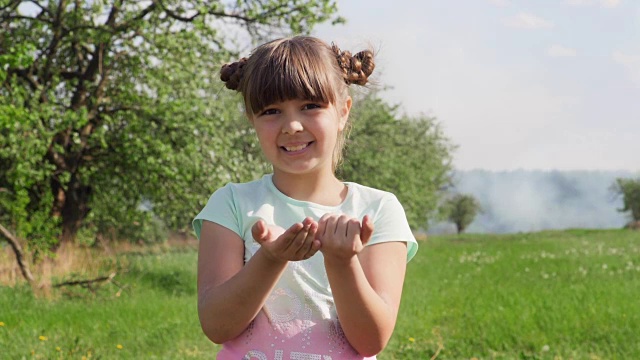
x: 551, y: 295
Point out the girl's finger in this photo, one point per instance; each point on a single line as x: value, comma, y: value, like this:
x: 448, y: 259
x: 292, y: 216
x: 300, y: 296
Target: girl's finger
x: 353, y: 229
x: 303, y: 252
x: 312, y: 250
x: 299, y: 240
x: 330, y: 230
x: 366, y: 230
x: 288, y: 238
x: 342, y: 225
x: 322, y: 225
x: 315, y: 247
x: 259, y: 231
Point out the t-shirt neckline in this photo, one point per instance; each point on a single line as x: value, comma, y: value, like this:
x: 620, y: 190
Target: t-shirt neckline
x: 268, y: 180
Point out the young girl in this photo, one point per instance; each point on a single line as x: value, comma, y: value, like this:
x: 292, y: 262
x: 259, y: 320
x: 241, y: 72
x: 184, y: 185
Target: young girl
x: 298, y: 264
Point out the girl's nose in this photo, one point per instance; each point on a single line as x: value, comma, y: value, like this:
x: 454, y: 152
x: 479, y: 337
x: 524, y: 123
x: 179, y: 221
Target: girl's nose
x: 291, y: 125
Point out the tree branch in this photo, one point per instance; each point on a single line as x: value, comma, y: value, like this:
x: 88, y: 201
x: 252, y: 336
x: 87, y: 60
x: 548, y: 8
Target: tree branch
x: 14, y: 3
x: 28, y: 76
x: 53, y: 45
x: 17, y: 249
x: 29, y: 18
x: 143, y: 13
x: 86, y: 283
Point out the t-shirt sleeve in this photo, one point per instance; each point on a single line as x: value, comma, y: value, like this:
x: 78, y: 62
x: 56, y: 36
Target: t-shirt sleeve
x: 220, y: 209
x: 390, y: 224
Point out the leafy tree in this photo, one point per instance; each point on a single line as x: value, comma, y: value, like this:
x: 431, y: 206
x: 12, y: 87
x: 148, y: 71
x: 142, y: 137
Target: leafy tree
x: 462, y: 209
x: 15, y: 56
x: 409, y: 156
x: 629, y: 189
x: 116, y: 104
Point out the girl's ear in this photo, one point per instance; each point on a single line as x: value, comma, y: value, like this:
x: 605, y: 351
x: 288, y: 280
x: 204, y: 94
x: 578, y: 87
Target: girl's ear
x: 344, y: 111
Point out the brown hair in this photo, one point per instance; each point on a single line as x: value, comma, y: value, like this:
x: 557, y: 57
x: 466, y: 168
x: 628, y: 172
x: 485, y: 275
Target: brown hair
x: 300, y: 67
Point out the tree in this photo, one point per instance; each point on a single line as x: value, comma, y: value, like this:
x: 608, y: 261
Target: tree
x: 629, y: 189
x: 13, y: 202
x: 408, y: 156
x: 118, y: 105
x: 462, y: 209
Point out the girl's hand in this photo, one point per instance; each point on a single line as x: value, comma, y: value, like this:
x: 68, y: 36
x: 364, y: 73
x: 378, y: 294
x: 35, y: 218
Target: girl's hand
x: 296, y: 243
x: 342, y: 237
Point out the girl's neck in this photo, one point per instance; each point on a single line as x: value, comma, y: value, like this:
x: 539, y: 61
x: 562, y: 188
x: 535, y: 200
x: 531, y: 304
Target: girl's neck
x: 320, y: 189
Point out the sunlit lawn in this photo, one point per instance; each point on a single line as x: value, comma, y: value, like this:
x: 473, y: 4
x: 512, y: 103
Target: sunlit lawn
x: 154, y: 316
x: 549, y: 295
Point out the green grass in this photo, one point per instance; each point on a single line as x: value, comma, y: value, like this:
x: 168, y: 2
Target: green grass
x: 568, y: 295
x: 550, y: 295
x: 154, y: 317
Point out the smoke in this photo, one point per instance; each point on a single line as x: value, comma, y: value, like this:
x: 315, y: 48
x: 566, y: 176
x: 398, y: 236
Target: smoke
x: 525, y: 201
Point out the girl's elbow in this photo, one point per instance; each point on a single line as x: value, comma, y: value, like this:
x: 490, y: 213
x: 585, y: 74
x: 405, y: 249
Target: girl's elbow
x: 371, y: 350
x: 214, y: 334
x: 372, y: 347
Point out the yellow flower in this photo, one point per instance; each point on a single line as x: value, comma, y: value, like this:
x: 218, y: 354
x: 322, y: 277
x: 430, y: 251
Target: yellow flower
x: 119, y: 346
x: 57, y: 348
x: 42, y: 338
x: 84, y: 358
x: 412, y: 339
x: 1, y: 323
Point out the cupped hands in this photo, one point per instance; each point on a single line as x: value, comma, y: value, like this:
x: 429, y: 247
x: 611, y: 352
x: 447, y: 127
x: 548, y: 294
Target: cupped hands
x: 296, y: 243
x: 343, y: 237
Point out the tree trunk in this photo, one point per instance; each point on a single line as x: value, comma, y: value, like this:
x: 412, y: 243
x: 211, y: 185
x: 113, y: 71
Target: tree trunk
x: 633, y: 225
x: 17, y: 249
x: 75, y: 210
x: 72, y: 205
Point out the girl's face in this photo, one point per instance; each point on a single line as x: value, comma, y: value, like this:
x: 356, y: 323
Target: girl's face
x: 299, y: 136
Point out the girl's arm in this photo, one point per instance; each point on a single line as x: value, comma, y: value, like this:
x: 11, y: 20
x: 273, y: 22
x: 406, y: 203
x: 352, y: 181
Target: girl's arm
x: 366, y: 282
x: 230, y: 293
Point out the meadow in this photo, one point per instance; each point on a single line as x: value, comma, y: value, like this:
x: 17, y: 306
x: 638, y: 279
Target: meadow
x: 571, y: 294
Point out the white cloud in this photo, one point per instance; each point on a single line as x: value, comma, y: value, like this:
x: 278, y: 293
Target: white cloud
x: 610, y: 3
x: 630, y: 62
x: 578, y: 2
x: 500, y: 2
x: 505, y: 107
x: 560, y: 51
x: 527, y: 21
x: 602, y: 3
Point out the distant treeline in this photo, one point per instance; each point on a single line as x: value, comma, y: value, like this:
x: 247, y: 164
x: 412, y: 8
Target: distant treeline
x: 533, y: 200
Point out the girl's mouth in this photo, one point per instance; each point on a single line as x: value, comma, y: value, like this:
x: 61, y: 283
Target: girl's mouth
x: 296, y: 148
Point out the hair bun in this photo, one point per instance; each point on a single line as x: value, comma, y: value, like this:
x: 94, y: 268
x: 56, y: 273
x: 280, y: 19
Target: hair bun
x: 357, y: 68
x: 231, y: 73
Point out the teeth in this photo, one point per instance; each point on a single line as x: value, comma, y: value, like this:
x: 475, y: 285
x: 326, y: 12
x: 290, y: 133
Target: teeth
x: 296, y: 148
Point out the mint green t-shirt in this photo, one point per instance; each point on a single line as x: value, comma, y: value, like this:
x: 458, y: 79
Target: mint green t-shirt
x: 239, y: 206
x: 299, y: 318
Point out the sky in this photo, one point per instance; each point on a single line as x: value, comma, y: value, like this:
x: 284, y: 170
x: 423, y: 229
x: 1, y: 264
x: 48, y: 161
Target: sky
x: 536, y: 85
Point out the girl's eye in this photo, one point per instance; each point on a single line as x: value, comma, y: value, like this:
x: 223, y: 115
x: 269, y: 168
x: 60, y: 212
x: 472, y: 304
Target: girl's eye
x: 269, y: 112
x: 312, y: 106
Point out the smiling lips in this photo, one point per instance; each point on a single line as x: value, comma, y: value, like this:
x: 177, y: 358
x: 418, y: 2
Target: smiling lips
x: 294, y: 148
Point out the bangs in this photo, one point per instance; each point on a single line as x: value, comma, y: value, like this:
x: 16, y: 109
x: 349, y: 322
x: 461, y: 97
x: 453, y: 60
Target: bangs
x: 290, y: 69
